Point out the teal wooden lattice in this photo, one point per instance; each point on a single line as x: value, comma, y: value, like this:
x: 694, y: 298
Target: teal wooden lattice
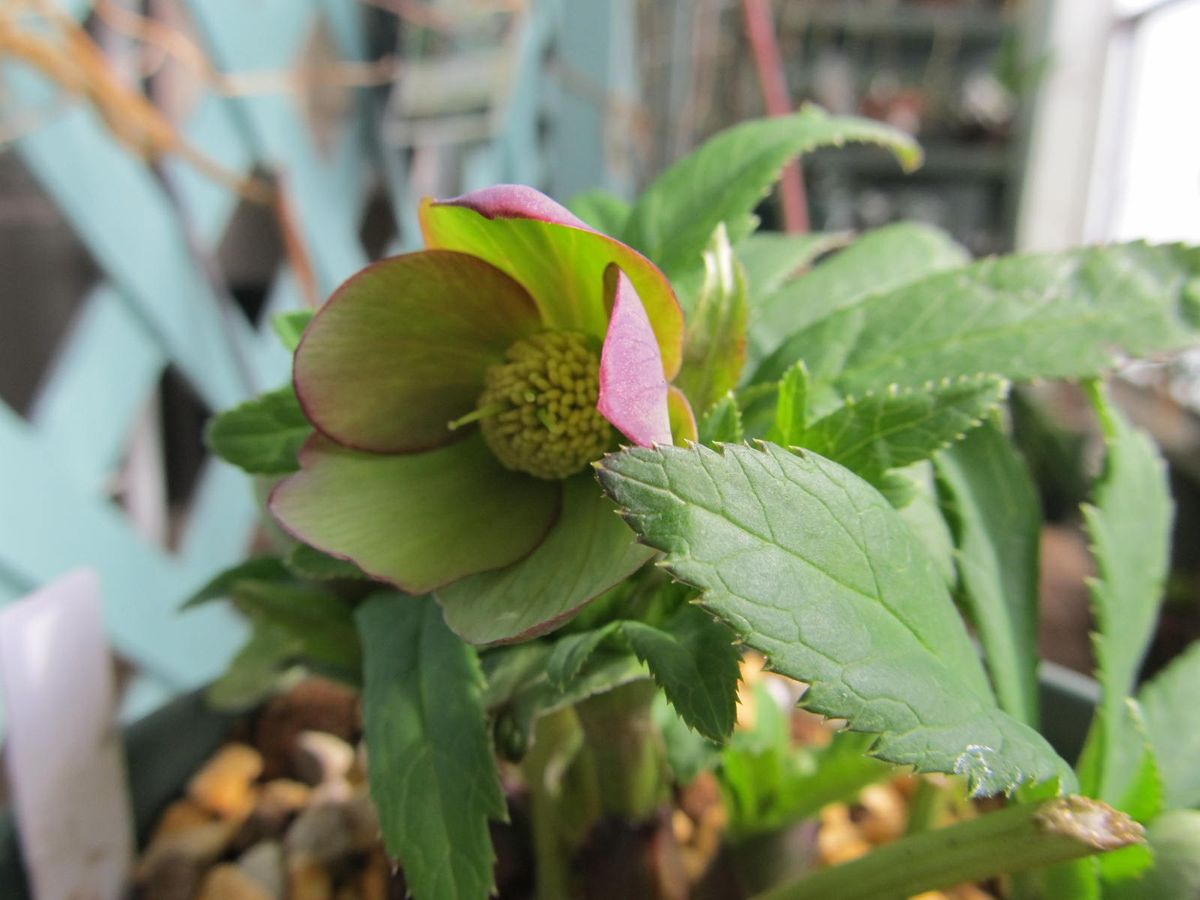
x: 159, y: 307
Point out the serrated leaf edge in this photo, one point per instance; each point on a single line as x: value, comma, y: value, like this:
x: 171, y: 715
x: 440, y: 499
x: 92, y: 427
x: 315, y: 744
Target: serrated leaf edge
x: 961, y: 767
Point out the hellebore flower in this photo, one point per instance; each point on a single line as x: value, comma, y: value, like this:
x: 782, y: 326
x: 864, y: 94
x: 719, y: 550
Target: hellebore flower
x: 461, y: 391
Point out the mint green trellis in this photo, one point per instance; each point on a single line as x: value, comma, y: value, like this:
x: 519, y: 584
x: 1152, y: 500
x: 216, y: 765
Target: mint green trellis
x: 157, y: 307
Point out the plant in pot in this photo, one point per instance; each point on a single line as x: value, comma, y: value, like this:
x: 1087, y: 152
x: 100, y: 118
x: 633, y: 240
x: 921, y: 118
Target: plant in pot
x: 548, y: 489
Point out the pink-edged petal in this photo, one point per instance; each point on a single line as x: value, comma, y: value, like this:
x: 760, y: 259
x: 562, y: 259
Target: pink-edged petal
x: 418, y: 520
x: 558, y: 258
x: 633, y: 391
x: 401, y: 349
x: 516, y: 201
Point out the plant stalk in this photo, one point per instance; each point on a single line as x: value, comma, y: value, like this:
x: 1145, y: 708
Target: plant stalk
x: 626, y: 750
x: 564, y: 802
x: 1012, y: 840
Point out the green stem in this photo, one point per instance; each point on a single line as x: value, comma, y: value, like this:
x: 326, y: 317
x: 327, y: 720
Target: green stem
x: 626, y: 750
x: 926, y: 804
x: 1012, y: 840
x: 564, y: 803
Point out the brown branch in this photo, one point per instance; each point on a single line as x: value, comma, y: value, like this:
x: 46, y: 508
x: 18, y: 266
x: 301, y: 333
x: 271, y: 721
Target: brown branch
x: 760, y: 29
x: 77, y: 65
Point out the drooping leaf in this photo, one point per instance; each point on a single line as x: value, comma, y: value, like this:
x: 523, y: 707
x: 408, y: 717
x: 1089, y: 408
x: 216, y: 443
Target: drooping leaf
x: 894, y: 428
x: 992, y: 506
x: 722, y: 423
x: 258, y: 568
x: 601, y: 209
x: 715, y: 347
x: 289, y: 326
x: 261, y: 436
x: 693, y: 659
x: 432, y: 773
x: 1130, y: 529
x: 724, y: 179
x: 588, y: 551
x: 256, y: 668
x: 879, y: 261
x: 1052, y: 315
x: 809, y: 565
x: 1172, y: 716
x: 321, y: 622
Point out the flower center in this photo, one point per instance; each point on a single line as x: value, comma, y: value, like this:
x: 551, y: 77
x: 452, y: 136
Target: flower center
x: 538, y: 410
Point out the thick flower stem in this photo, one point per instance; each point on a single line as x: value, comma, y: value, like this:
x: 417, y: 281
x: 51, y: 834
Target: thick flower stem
x: 626, y: 750
x: 564, y: 802
x: 1012, y: 840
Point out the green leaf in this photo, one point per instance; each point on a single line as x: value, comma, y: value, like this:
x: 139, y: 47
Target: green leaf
x: 694, y: 660
x: 432, y: 773
x: 791, y: 407
x: 588, y: 551
x: 722, y: 423
x: 573, y: 650
x: 769, y: 259
x: 924, y: 519
x: 715, y: 347
x: 770, y: 788
x: 772, y: 258
x: 1053, y: 315
x: 256, y: 669
x: 724, y: 179
x: 290, y: 326
x: 263, y: 435
x: 1174, y: 838
x: 260, y: 568
x: 993, y: 510
x: 309, y: 562
x: 688, y: 752
x: 320, y: 621
x: 810, y: 566
x: 520, y: 690
x: 1142, y: 800
x: 1130, y: 528
x: 1172, y: 718
x: 879, y: 261
x: 897, y: 427
x: 601, y: 209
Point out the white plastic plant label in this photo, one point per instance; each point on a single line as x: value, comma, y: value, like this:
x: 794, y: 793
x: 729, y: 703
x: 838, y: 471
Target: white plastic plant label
x: 65, y: 760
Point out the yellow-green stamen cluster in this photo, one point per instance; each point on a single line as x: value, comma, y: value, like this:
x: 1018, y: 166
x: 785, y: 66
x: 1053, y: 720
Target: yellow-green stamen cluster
x: 538, y: 410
